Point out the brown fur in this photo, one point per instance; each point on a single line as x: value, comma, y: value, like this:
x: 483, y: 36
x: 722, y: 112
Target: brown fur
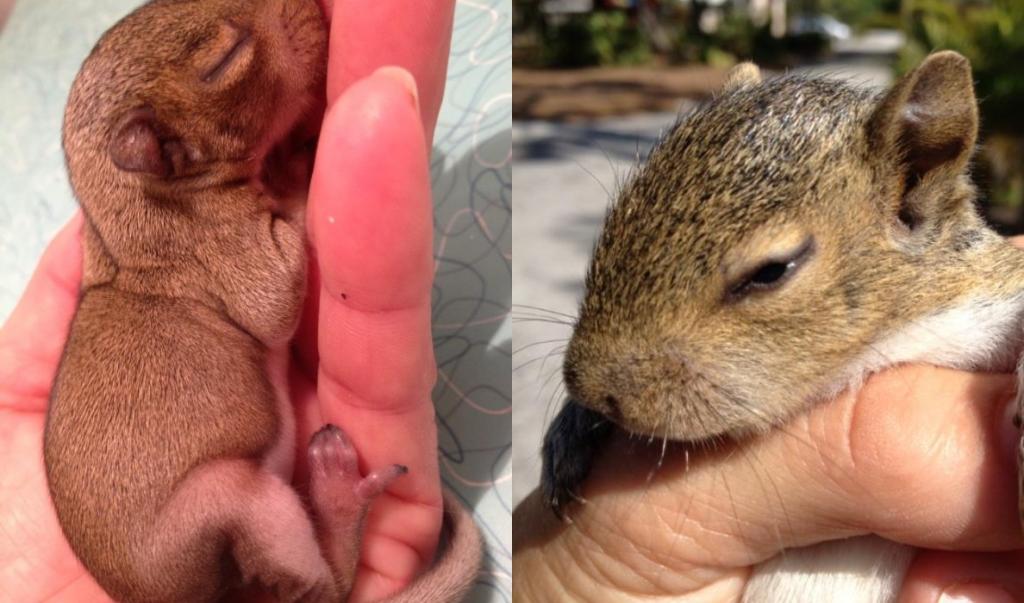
x: 781, y: 242
x: 877, y: 183
x: 163, y: 411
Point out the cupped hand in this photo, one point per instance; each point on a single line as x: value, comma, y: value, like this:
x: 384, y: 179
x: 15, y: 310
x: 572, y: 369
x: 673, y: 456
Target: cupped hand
x: 362, y: 357
x: 36, y: 563
x: 920, y: 455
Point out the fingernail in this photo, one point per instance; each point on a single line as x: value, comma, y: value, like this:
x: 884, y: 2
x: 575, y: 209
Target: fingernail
x: 975, y: 592
x: 404, y: 78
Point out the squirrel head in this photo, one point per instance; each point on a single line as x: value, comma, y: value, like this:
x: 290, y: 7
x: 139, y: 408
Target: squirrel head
x: 773, y: 235
x: 184, y: 95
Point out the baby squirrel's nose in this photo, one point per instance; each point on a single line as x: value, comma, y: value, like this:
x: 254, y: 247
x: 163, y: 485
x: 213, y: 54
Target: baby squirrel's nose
x: 612, y: 408
x: 597, y: 383
x: 630, y: 382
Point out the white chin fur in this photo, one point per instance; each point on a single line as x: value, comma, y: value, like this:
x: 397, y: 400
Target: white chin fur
x: 978, y: 335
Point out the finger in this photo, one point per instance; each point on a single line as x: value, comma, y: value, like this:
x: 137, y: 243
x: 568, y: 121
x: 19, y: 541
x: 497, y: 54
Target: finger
x: 412, y: 35
x: 420, y: 45
x: 32, y: 339
x: 921, y: 455
x: 370, y: 220
x: 946, y: 577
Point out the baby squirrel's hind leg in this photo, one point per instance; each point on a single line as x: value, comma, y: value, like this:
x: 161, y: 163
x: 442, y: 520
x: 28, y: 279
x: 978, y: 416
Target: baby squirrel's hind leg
x: 341, y: 498
x: 233, y: 506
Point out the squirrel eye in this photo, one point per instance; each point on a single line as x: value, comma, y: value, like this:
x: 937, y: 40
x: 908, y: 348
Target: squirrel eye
x: 232, y: 52
x: 771, y: 274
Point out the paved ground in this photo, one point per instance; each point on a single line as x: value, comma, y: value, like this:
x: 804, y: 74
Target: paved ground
x: 600, y: 92
x: 564, y: 177
x: 577, y: 95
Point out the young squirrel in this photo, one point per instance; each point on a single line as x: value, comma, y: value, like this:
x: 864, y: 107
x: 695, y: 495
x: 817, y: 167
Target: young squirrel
x: 782, y: 242
x: 170, y: 435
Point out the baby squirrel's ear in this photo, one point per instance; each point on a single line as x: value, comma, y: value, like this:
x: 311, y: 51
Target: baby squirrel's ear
x: 744, y: 74
x: 138, y: 146
x: 930, y: 117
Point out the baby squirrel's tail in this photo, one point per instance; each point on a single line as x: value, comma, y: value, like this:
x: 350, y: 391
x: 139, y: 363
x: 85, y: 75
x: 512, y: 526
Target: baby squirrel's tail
x: 456, y: 563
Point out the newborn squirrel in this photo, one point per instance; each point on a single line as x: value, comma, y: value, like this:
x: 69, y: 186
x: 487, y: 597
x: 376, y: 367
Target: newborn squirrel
x: 782, y: 242
x: 170, y: 436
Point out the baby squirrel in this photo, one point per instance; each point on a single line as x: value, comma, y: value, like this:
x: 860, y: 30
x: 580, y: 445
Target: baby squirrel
x: 782, y: 242
x: 170, y: 436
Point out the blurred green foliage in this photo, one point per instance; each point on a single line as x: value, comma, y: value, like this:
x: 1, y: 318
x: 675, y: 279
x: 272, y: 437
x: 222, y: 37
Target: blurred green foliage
x: 665, y: 30
x: 859, y: 14
x: 579, y: 40
x: 738, y: 39
x: 990, y: 34
x: 615, y: 39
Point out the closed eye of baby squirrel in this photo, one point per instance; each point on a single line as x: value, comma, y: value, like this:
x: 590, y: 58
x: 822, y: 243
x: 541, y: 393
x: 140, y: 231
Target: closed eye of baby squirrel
x: 782, y: 242
x: 169, y: 440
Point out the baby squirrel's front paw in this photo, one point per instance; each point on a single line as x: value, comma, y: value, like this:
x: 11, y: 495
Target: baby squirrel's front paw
x: 569, y: 447
x: 337, y: 489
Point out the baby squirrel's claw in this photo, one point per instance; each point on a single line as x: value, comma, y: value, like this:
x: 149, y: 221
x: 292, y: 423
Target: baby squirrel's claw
x: 569, y: 447
x: 378, y: 481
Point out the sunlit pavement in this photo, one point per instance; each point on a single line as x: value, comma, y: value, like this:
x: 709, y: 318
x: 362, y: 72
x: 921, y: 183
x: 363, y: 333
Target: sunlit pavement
x: 564, y: 178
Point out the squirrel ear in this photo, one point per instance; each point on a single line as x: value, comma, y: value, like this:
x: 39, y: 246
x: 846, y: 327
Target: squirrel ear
x: 136, y: 146
x: 744, y: 74
x: 930, y: 117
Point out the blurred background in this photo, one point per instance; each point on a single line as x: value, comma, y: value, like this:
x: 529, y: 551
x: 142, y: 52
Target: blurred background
x: 595, y: 82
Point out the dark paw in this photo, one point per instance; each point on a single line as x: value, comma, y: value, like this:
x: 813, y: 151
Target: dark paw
x: 570, y: 445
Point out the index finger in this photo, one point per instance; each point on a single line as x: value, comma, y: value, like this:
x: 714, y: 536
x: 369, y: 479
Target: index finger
x: 370, y: 217
x: 412, y: 35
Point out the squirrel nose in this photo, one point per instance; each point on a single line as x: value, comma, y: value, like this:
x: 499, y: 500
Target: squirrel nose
x: 612, y: 408
x: 605, y: 401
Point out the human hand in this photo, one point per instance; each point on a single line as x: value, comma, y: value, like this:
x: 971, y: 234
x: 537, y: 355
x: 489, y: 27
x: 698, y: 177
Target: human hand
x: 36, y: 563
x: 363, y: 354
x: 364, y: 351
x: 920, y: 455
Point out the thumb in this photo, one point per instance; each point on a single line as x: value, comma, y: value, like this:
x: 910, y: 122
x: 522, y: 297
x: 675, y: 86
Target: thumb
x: 32, y: 339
